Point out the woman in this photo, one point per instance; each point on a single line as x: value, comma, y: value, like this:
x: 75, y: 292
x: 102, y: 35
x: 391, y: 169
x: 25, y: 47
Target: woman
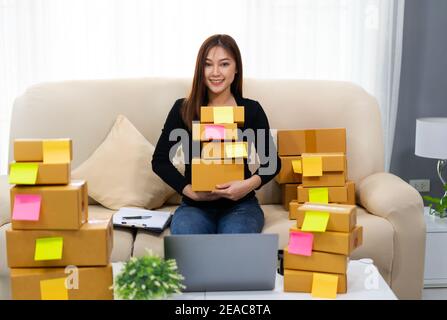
x: 232, y: 207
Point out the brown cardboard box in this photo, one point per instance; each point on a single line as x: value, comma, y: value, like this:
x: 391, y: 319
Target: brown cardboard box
x: 52, y: 173
x: 288, y: 193
x: 94, y: 283
x: 207, y: 115
x: 216, y: 150
x: 337, y: 242
x: 89, y: 246
x: 206, y: 174
x: 334, y: 170
x: 342, y: 217
x: 301, y: 281
x: 341, y: 195
x: 32, y: 149
x: 62, y: 207
x: 293, y: 209
x: 286, y: 174
x: 328, y: 179
x: 297, y: 142
x: 318, y: 261
x: 335, y: 161
x: 198, y: 131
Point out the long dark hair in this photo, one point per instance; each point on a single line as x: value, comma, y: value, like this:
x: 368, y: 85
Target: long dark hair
x: 199, y: 95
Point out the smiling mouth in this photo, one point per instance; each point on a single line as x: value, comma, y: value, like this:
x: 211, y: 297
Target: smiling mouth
x: 217, y: 81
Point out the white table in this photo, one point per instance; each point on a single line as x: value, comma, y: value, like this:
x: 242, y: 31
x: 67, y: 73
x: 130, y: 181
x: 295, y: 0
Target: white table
x: 435, y: 274
x: 364, y: 283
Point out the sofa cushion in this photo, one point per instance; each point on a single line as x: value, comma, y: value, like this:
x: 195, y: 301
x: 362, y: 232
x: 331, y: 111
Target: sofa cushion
x: 122, y: 237
x: 378, y: 242
x: 153, y: 242
x: 119, y: 172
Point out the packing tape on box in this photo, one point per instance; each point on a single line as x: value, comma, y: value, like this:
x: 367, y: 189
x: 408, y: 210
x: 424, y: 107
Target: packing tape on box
x: 322, y: 208
x: 310, y: 141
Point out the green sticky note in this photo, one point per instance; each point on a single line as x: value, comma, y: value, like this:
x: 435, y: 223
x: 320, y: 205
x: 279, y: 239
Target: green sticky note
x: 49, y: 249
x: 315, y: 221
x: 223, y: 115
x: 319, y: 195
x: 23, y: 173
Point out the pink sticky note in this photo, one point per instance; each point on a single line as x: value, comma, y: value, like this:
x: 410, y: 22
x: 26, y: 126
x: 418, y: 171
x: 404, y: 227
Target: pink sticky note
x: 214, y: 132
x: 27, y: 207
x: 301, y: 243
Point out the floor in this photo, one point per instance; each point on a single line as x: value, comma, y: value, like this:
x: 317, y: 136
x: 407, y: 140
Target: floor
x: 434, y: 294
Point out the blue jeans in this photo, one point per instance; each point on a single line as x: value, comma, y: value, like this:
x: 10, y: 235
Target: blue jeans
x: 244, y: 217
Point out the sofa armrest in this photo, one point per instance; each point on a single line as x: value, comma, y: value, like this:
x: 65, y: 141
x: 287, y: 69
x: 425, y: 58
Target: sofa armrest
x: 388, y: 196
x: 5, y: 213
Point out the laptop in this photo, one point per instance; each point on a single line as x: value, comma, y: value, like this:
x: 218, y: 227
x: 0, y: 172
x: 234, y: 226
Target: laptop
x: 225, y: 262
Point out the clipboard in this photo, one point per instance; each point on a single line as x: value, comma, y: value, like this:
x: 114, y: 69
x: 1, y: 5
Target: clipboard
x: 137, y: 218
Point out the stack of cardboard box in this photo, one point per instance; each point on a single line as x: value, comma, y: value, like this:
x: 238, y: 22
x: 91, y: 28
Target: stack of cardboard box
x: 314, y: 168
x: 53, y: 250
x: 319, y: 197
x: 319, y: 247
x: 221, y: 152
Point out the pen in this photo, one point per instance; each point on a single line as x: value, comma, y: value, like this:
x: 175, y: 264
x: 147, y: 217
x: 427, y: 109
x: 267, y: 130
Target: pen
x: 137, y: 217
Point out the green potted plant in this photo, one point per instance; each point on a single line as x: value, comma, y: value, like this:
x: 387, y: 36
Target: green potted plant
x: 148, y: 277
x: 438, y: 206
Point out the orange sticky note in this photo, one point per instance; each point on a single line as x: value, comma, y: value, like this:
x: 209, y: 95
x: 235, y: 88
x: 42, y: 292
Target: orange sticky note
x: 319, y: 195
x: 315, y: 221
x: 296, y: 165
x: 324, y: 285
x: 223, y: 115
x: 53, y: 289
x: 312, y: 166
x: 56, y: 151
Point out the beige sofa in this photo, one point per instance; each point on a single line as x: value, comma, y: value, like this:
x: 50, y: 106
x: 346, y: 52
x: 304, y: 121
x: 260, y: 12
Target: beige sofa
x: 390, y: 211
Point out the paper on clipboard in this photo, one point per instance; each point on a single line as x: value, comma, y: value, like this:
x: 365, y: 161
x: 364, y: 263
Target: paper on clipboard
x: 151, y: 220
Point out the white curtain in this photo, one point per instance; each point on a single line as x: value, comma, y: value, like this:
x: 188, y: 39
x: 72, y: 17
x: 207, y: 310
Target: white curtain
x: 51, y: 40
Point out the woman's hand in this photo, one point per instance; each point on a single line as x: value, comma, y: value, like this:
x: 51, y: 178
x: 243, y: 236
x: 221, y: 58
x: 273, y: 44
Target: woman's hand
x: 236, y: 190
x: 199, y: 196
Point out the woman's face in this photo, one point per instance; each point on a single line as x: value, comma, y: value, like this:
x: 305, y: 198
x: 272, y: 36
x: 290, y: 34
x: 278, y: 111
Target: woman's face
x: 220, y: 69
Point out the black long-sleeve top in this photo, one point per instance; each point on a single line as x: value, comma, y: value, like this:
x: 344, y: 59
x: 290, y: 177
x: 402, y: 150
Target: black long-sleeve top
x: 255, y: 118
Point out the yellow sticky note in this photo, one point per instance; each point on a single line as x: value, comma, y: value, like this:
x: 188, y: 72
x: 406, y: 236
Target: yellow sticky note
x: 53, y: 289
x: 296, y: 165
x: 223, y: 115
x: 324, y: 285
x: 319, y: 195
x: 23, y: 173
x: 49, y: 248
x: 315, y: 221
x: 56, y: 151
x: 312, y: 167
x: 236, y: 150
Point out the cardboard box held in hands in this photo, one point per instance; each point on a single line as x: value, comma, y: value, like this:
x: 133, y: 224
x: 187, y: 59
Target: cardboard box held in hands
x: 206, y: 174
